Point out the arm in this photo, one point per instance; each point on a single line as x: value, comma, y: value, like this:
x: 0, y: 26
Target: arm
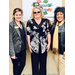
x: 49, y: 38
x: 49, y: 41
x: 11, y: 47
x: 48, y: 34
x: 28, y: 35
x: 30, y: 48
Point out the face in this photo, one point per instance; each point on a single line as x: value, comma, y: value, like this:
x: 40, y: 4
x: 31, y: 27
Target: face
x: 18, y: 16
x: 60, y: 16
x: 37, y: 13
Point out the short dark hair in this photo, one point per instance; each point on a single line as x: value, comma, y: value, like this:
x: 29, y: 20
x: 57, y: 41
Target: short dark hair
x: 59, y: 9
x: 16, y: 10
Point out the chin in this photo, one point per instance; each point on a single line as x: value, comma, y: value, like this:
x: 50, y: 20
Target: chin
x: 18, y: 20
x: 60, y: 20
x: 37, y: 16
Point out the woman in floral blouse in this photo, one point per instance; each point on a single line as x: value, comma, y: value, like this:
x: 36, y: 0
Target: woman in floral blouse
x: 38, y: 33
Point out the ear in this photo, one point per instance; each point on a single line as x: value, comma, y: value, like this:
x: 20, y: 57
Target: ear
x: 13, y: 17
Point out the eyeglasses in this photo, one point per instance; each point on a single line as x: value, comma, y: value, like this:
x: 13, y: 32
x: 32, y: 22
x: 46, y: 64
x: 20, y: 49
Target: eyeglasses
x: 36, y: 12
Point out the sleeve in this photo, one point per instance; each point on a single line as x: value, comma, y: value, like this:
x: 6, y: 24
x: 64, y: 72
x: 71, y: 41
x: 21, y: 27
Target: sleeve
x: 11, y: 47
x: 48, y: 26
x: 28, y: 29
x: 64, y: 44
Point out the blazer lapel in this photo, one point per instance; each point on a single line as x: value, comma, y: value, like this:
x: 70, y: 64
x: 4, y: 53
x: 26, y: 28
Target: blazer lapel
x: 17, y: 28
x: 23, y: 26
x: 18, y: 32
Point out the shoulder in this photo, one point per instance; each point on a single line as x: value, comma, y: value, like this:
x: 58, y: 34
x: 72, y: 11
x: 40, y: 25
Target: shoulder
x: 11, y: 24
x: 54, y: 23
x: 44, y: 19
x: 63, y: 25
x: 30, y: 21
x: 47, y: 20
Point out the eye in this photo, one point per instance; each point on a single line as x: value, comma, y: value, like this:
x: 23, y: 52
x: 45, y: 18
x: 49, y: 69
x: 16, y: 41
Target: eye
x: 19, y: 14
x: 16, y: 14
x: 57, y: 14
x: 61, y: 14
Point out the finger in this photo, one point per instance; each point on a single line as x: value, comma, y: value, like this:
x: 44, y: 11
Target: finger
x: 64, y: 55
x: 30, y: 50
x: 13, y: 57
x: 47, y: 49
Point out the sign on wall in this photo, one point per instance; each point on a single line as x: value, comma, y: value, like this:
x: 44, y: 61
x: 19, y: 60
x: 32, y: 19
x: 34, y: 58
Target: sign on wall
x: 47, y: 6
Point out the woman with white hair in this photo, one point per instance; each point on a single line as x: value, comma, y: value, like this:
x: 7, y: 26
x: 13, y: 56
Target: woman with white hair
x: 38, y: 34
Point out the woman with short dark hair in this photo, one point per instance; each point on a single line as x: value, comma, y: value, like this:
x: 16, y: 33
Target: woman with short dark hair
x: 58, y: 37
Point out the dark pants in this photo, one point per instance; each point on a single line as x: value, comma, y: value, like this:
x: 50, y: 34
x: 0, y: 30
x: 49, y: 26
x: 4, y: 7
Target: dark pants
x: 19, y: 63
x: 37, y: 58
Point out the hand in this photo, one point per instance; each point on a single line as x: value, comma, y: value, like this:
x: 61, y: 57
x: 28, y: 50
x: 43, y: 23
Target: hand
x: 30, y: 48
x: 48, y: 47
x: 64, y: 54
x: 13, y: 57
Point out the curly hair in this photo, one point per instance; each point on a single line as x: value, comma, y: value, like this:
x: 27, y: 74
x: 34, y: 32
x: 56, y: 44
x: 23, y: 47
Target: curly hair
x: 59, y: 9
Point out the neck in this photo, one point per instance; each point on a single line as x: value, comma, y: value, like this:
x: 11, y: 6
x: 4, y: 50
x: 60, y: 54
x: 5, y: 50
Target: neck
x: 60, y: 23
x: 17, y: 21
x: 37, y: 18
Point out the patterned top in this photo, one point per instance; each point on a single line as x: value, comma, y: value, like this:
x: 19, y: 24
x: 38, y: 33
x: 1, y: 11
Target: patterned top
x: 38, y: 34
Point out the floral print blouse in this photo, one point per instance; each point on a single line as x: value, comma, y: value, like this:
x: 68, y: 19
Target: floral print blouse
x: 38, y: 34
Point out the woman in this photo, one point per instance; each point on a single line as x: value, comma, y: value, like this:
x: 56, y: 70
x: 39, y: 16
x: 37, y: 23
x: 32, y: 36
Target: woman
x: 58, y: 37
x: 17, y: 42
x: 38, y: 33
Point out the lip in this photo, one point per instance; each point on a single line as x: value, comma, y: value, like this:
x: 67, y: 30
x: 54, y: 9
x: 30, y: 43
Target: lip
x: 59, y: 18
x: 18, y: 17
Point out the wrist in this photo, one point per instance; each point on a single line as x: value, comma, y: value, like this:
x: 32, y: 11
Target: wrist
x: 48, y: 43
x: 29, y: 45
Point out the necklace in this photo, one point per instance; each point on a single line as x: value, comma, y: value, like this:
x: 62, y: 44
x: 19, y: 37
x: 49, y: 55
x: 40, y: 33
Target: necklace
x: 19, y: 25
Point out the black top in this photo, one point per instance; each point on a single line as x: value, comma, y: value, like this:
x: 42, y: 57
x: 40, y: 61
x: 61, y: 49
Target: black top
x: 38, y: 34
x: 22, y: 33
